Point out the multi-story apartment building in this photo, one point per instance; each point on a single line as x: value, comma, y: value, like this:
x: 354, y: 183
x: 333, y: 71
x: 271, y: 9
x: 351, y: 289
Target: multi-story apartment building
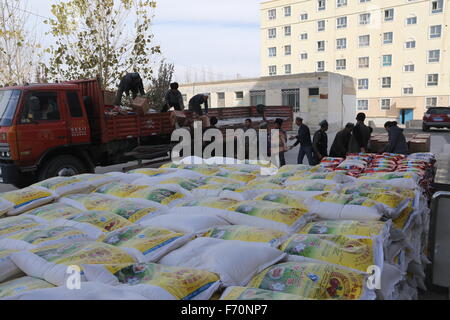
x: 398, y: 50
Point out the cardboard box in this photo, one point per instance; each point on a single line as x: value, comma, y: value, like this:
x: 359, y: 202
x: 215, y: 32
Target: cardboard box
x: 109, y: 98
x: 141, y: 105
x: 419, y: 145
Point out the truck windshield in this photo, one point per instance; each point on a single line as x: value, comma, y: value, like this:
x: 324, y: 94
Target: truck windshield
x: 8, y: 104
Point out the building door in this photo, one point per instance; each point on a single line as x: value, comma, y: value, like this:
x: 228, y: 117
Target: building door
x: 406, y: 115
x: 291, y: 98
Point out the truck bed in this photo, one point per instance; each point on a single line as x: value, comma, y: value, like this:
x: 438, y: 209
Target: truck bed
x: 105, y: 129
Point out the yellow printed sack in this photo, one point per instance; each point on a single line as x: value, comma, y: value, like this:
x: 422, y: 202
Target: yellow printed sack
x: 314, y: 281
x: 50, y: 262
x: 8, y: 270
x: 103, y: 220
x: 10, y: 226
x: 27, y: 199
x: 246, y: 233
x: 118, y: 189
x: 182, y: 283
x: 284, y: 198
x: 267, y: 214
x: 369, y: 229
x: 21, y: 285
x: 356, y: 254
x: 54, y: 211
x: 135, y: 210
x: 168, y: 195
x: 43, y: 236
x: 146, y: 244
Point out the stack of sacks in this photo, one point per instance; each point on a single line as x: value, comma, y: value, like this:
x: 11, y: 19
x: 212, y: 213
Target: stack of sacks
x: 305, y: 232
x: 352, y: 166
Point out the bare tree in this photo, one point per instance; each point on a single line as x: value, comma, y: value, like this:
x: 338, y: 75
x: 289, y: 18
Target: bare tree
x: 101, y: 38
x: 19, y: 49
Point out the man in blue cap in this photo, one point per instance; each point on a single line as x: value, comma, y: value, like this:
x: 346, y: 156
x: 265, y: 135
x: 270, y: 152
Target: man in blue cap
x: 131, y: 82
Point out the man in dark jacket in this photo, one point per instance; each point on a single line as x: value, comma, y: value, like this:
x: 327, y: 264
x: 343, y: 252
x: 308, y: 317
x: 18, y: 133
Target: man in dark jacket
x: 195, y: 104
x: 304, y: 140
x: 320, y: 143
x: 173, y: 98
x: 339, y: 149
x: 131, y: 82
x: 359, y: 141
x: 397, y: 141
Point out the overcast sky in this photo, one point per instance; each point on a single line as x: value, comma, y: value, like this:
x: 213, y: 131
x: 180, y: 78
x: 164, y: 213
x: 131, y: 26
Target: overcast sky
x: 205, y: 39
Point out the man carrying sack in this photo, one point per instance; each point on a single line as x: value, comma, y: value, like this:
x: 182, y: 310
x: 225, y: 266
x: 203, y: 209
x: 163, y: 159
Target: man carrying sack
x: 131, y: 82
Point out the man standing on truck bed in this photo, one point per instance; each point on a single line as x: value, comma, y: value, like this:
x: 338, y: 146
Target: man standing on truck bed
x: 173, y: 98
x: 195, y: 104
x: 131, y: 82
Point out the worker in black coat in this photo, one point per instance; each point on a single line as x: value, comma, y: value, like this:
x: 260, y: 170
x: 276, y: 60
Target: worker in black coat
x: 195, y: 104
x: 131, y: 82
x: 339, y: 149
x: 397, y: 141
x: 173, y: 98
x: 320, y: 143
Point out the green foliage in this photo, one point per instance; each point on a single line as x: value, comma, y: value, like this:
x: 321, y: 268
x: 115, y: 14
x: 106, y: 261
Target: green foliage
x: 160, y: 85
x: 92, y: 40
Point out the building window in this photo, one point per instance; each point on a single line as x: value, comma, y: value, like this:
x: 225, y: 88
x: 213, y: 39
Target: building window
x: 363, y: 84
x: 239, y: 95
x: 272, y: 33
x: 341, y: 3
x: 287, y: 50
x: 364, y: 1
x: 364, y: 41
x: 303, y: 56
x: 321, y: 25
x: 272, y: 14
x: 364, y: 18
x: 437, y: 6
x: 287, y: 31
x: 408, y: 90
x: 320, y: 45
x: 386, y: 82
x: 287, y: 69
x: 411, y: 21
x: 363, y: 62
x: 272, y: 70
x: 363, y: 105
x: 313, y: 92
x: 304, y: 16
x: 341, y: 22
x: 431, y: 102
x: 388, y: 37
x: 385, y: 104
x: 409, y: 68
x: 341, y: 64
x: 435, y: 31
x: 387, y: 60
x: 287, y: 11
x: 434, y: 56
x: 388, y: 14
x: 320, y: 66
x: 257, y: 97
x: 273, y: 52
x: 341, y: 43
x: 321, y: 5
x: 221, y: 95
x: 304, y: 36
x: 432, y: 80
x: 291, y: 98
x: 410, y: 44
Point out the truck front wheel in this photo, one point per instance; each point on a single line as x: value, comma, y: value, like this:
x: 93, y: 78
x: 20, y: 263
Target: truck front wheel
x: 65, y: 165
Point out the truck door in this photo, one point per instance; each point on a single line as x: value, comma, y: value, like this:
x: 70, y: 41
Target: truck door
x: 78, y: 125
x: 42, y: 126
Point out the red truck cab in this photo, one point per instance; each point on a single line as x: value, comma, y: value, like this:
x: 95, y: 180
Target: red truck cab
x: 61, y: 129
